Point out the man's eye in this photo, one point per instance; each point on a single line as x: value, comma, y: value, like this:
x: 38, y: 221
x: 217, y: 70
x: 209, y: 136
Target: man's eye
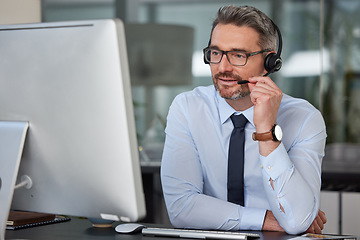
x: 238, y: 55
x: 215, y: 53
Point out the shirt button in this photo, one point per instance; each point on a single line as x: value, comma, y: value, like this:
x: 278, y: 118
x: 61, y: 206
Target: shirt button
x: 269, y: 167
x: 278, y: 197
x: 261, y: 166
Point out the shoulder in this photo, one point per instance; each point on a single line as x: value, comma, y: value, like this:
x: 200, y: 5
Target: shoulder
x: 199, y: 96
x: 188, y: 108
x: 198, y: 93
x: 296, y: 108
x: 300, y: 121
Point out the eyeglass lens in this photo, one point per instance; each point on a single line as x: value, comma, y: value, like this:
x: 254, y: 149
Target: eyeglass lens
x: 235, y: 57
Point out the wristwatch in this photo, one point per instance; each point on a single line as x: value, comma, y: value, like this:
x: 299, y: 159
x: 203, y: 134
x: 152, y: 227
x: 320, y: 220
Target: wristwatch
x: 275, y: 134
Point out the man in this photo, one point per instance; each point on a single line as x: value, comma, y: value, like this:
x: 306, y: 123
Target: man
x: 282, y: 178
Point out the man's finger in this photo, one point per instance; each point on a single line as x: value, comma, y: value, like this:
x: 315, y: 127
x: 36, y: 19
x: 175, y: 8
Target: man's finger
x: 319, y: 222
x: 322, y: 216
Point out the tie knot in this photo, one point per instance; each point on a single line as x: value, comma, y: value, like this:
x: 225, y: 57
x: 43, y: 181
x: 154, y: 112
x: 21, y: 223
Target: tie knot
x: 239, y: 121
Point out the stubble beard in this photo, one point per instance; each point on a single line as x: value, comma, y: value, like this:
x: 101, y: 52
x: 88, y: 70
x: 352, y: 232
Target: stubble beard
x: 224, y: 91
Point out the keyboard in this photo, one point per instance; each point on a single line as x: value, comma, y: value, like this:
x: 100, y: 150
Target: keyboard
x: 201, y: 234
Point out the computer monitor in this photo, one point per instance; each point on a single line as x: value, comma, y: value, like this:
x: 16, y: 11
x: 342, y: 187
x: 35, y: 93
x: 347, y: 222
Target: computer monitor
x: 69, y: 81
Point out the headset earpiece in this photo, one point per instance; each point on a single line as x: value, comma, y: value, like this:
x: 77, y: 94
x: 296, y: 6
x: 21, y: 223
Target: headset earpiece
x: 273, y: 61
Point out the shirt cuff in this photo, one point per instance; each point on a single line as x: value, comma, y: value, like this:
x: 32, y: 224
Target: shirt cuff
x: 252, y: 218
x: 276, y: 162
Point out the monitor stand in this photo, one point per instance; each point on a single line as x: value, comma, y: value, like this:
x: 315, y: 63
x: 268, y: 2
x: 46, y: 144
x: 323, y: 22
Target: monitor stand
x: 12, y: 139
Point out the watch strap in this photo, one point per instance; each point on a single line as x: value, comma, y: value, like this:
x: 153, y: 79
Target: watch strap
x: 275, y: 134
x: 267, y: 136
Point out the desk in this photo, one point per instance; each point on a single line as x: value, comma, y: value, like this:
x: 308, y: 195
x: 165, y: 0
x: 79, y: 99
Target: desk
x: 82, y: 229
x: 341, y: 167
x: 155, y: 205
x: 341, y: 176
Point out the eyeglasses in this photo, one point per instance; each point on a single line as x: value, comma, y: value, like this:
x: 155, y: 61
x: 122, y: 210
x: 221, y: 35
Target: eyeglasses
x: 236, y: 58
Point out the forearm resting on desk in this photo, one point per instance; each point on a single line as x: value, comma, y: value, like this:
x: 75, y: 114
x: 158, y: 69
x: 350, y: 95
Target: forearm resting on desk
x: 271, y: 224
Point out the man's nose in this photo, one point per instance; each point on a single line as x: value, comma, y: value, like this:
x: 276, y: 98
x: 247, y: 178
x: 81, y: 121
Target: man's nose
x: 225, y: 65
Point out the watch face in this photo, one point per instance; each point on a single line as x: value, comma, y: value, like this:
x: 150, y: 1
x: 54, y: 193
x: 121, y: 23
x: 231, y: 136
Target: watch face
x: 278, y: 132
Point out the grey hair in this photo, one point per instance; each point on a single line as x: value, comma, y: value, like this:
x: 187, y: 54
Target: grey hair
x: 250, y: 17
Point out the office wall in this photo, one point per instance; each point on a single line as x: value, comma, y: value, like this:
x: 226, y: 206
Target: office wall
x: 342, y: 211
x: 20, y: 11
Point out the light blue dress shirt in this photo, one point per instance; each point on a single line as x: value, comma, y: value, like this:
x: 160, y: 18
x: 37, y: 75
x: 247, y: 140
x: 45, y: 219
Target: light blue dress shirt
x: 194, y: 165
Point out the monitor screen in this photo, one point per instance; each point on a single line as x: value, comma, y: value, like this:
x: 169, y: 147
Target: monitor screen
x: 70, y: 82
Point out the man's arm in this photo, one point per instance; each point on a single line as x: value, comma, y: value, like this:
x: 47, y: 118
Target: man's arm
x: 292, y: 177
x: 271, y: 224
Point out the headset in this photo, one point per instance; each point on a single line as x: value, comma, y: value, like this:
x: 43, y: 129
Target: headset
x: 272, y: 62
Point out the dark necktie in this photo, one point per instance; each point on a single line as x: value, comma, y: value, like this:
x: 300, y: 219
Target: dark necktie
x: 236, y: 160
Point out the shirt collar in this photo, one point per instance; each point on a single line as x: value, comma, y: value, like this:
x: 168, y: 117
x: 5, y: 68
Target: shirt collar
x: 225, y: 111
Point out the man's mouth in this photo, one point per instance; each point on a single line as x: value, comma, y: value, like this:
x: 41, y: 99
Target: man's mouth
x: 228, y: 81
x: 228, y: 78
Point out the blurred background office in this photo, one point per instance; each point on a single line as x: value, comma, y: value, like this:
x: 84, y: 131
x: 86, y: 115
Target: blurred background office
x: 165, y: 38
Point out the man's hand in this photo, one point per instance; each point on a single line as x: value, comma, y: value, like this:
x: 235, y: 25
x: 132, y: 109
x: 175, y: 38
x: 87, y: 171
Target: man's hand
x: 318, y: 224
x: 271, y: 224
x: 266, y: 97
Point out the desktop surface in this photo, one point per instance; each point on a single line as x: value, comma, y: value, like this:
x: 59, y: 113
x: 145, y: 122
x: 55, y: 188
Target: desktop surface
x: 82, y: 229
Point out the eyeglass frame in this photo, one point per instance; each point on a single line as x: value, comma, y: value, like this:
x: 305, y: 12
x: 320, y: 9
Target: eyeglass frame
x: 226, y: 54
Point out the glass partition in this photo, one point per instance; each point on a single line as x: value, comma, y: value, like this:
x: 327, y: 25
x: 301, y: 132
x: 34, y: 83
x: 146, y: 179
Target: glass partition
x: 321, y: 52
x: 342, y: 89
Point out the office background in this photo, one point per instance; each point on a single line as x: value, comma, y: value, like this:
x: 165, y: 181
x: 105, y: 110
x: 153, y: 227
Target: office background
x: 321, y: 55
